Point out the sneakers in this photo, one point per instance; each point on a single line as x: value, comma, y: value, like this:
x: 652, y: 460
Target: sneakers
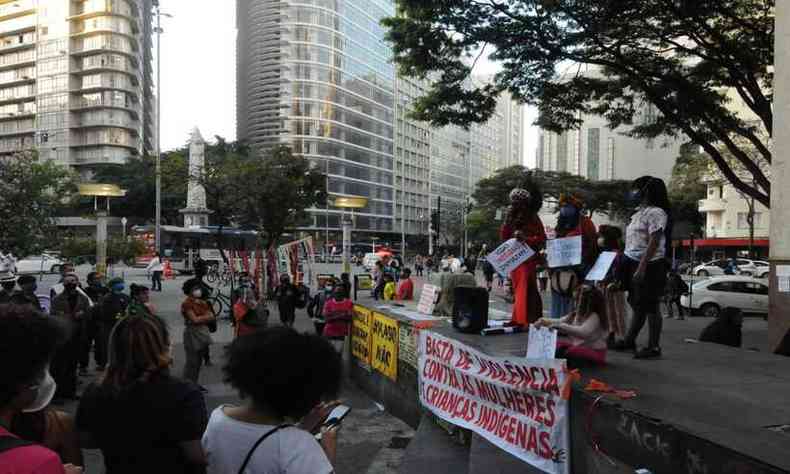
x: 623, y: 346
x: 648, y: 353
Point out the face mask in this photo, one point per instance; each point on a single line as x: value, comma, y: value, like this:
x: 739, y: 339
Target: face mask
x: 117, y: 289
x: 197, y: 293
x: 329, y: 289
x: 44, y: 394
x: 70, y: 287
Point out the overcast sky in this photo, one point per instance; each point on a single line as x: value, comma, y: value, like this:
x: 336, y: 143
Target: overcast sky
x: 199, y: 73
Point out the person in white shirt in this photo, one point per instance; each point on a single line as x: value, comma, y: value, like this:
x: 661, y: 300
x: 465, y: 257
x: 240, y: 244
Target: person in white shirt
x: 155, y: 268
x: 647, y: 241
x: 264, y: 435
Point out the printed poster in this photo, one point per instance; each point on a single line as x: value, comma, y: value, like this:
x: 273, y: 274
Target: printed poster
x: 508, y: 256
x: 515, y: 403
x: 565, y: 252
x: 384, y: 349
x: 601, y: 268
x: 542, y: 343
x: 361, y: 335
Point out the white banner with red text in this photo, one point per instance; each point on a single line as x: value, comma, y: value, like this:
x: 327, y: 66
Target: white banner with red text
x: 515, y: 403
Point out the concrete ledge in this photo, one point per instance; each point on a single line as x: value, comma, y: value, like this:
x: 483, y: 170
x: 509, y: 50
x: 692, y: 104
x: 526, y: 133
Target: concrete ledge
x: 433, y: 451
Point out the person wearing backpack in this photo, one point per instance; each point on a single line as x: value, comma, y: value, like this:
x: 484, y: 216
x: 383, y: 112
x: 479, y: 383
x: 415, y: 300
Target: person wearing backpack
x: 27, y: 344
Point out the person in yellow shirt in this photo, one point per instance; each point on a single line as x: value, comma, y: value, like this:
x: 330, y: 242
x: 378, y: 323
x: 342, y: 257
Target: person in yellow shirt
x: 390, y: 290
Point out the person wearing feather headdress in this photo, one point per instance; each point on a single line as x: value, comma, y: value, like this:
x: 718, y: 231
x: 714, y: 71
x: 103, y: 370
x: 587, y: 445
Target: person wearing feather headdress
x: 564, y: 281
x: 522, y: 223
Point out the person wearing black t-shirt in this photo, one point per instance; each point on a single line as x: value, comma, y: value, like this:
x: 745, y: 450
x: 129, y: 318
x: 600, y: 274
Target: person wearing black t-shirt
x: 140, y: 417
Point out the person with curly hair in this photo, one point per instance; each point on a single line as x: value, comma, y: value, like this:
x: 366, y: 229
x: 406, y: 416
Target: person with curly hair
x: 264, y: 433
x: 143, y: 419
x: 523, y: 224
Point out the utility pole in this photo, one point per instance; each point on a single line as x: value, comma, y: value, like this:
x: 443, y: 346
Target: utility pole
x: 159, y: 31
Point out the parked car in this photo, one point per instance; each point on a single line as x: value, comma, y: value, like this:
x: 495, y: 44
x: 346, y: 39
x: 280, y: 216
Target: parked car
x: 370, y: 261
x: 757, y: 268
x: 39, y: 263
x: 710, y: 296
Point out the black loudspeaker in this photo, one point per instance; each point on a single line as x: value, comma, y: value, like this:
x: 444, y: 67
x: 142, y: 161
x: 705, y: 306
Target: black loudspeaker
x: 470, y: 309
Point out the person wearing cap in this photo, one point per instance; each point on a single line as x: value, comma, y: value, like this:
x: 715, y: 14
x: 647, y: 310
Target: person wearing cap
x: 59, y: 287
x: 27, y: 293
x: 7, y: 286
x: 72, y: 308
x: 112, y: 307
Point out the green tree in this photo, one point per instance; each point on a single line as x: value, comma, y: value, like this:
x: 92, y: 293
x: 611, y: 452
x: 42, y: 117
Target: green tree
x: 32, y: 194
x: 268, y: 192
x: 687, y: 186
x: 690, y: 61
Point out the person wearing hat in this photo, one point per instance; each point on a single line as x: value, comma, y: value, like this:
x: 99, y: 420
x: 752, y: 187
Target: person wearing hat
x: 59, y: 287
x: 523, y: 224
x: 7, y: 286
x: 72, y: 308
x: 112, y: 307
x: 27, y: 293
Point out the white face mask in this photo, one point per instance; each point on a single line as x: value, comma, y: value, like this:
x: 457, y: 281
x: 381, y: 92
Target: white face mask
x: 44, y: 394
x: 197, y: 293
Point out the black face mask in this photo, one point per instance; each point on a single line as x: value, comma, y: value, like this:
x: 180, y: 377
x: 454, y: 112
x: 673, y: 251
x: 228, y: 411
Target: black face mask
x: 70, y: 287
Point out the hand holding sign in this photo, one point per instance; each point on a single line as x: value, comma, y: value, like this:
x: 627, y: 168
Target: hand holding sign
x: 542, y: 343
x: 565, y: 252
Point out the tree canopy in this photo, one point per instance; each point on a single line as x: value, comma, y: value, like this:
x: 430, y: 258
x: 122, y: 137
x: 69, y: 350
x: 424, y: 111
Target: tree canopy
x: 696, y: 61
x: 32, y: 194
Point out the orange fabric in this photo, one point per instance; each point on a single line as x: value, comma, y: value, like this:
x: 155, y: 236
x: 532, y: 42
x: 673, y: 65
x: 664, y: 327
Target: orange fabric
x: 527, y: 307
x: 570, y: 377
x: 603, y: 387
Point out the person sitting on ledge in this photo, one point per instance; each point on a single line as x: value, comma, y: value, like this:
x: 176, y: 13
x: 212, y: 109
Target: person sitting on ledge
x: 582, y: 332
x: 725, y: 330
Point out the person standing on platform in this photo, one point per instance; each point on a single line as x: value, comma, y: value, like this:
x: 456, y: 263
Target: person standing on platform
x: 95, y: 291
x: 523, y: 224
x: 647, y: 242
x: 72, y: 308
x: 155, y: 268
x: 610, y: 240
x: 564, y: 281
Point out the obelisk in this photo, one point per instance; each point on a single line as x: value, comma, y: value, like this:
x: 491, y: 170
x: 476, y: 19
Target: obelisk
x: 196, y: 213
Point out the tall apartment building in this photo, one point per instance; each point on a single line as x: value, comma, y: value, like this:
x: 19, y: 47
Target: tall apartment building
x: 599, y: 153
x: 317, y: 76
x: 75, y: 80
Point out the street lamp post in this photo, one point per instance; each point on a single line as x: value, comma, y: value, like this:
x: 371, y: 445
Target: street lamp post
x: 159, y: 31
x: 350, y: 203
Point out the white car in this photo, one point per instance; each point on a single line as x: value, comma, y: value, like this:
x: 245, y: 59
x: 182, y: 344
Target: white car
x: 757, y: 268
x: 710, y: 296
x: 43, y: 263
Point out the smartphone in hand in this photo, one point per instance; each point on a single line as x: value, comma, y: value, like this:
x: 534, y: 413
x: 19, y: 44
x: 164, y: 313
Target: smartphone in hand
x: 333, y: 419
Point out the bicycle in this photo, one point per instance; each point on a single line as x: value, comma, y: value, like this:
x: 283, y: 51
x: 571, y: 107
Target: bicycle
x: 218, y: 302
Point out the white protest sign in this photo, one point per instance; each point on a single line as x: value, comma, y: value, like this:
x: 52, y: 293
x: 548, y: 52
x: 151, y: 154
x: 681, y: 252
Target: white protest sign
x: 565, y: 252
x: 542, y: 343
x: 508, y: 256
x: 514, y: 403
x: 601, y: 267
x: 427, y: 299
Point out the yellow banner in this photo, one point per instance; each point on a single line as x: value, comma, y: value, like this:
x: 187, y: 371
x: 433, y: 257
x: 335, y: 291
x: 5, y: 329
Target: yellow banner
x: 361, y: 335
x: 384, y: 350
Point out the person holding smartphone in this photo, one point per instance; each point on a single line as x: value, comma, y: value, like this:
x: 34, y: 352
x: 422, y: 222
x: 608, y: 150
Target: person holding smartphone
x: 273, y: 430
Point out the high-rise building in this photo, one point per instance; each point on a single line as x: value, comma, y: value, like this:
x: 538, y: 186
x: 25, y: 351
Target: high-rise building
x: 75, y: 80
x: 318, y: 77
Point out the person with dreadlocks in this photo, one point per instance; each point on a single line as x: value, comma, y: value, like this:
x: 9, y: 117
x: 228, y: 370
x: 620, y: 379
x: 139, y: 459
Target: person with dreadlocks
x: 564, y: 281
x: 523, y: 223
x: 137, y: 414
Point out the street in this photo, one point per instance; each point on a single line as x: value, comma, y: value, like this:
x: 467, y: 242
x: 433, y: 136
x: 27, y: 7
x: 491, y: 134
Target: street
x: 370, y: 441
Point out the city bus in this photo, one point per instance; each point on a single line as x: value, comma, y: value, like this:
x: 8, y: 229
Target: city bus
x: 183, y: 246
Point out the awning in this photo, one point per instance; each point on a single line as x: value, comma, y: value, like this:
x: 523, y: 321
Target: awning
x: 725, y: 243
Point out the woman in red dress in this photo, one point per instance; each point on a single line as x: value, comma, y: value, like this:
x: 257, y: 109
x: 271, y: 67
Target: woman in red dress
x: 523, y: 223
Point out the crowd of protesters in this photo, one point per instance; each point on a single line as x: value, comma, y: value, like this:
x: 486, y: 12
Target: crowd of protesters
x: 141, y: 415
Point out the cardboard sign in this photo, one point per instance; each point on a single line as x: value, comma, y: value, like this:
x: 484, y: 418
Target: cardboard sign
x: 407, y: 344
x: 384, y: 349
x: 542, y: 343
x: 514, y: 403
x: 601, y: 268
x: 565, y: 252
x: 508, y: 256
x: 361, y: 335
x: 427, y: 299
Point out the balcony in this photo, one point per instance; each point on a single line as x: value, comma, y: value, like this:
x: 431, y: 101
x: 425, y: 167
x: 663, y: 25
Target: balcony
x: 105, y: 121
x: 9, y: 11
x: 116, y: 8
x: 105, y: 45
x: 712, y: 205
x: 101, y: 103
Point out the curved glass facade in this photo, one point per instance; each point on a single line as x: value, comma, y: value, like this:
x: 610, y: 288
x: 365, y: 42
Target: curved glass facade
x: 315, y: 74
